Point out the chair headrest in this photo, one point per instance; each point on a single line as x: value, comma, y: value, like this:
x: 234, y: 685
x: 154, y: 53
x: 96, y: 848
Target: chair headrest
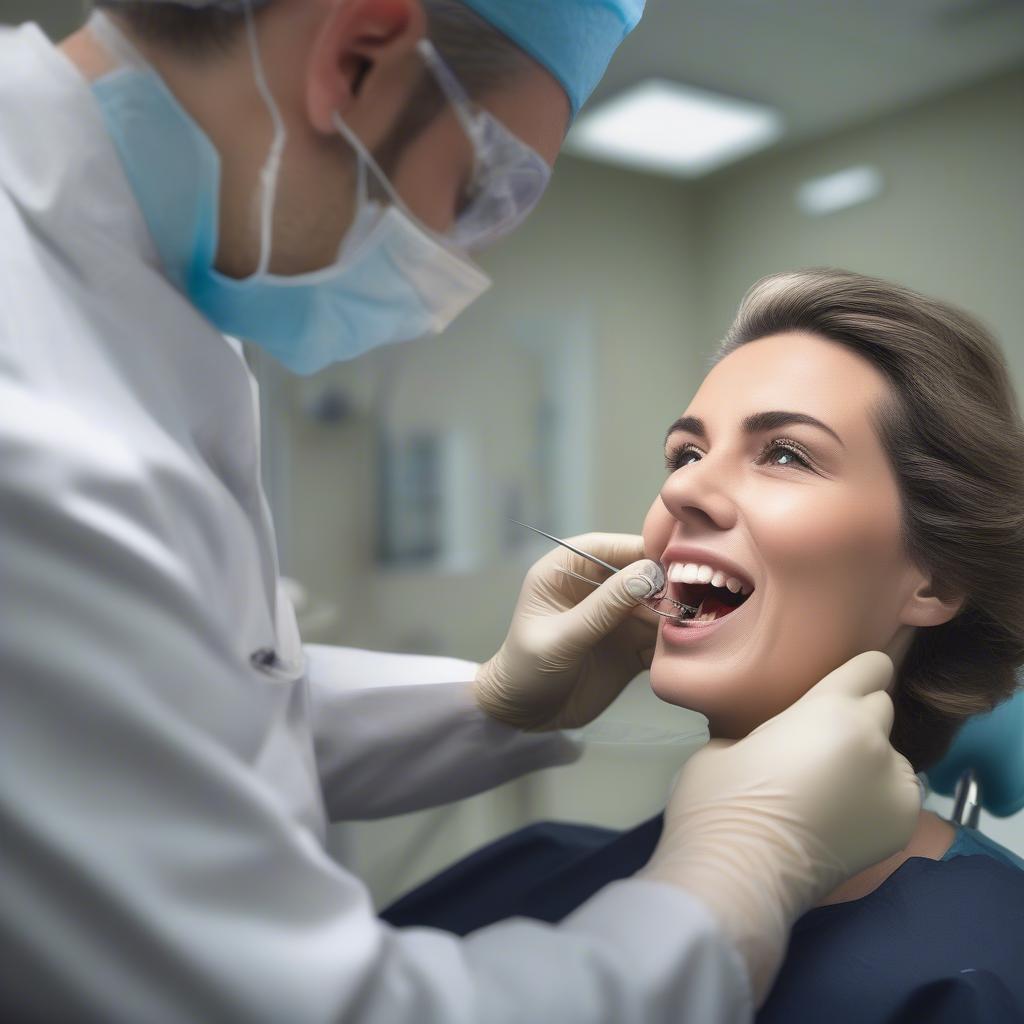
x: 993, y: 745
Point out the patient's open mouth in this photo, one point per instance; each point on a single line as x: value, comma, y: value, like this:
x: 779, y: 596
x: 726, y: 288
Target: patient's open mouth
x: 713, y: 592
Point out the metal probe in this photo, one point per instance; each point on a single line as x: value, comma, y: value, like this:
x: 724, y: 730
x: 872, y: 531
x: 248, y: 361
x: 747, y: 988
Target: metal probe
x: 683, y: 611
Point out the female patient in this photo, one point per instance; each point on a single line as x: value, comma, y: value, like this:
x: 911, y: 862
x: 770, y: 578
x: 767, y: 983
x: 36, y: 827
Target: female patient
x: 888, y: 514
x: 848, y: 477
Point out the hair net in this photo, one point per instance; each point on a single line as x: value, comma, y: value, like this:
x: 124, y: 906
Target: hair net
x: 573, y: 39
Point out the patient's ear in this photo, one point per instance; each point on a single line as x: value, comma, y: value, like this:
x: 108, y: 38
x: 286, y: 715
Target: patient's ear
x: 930, y: 605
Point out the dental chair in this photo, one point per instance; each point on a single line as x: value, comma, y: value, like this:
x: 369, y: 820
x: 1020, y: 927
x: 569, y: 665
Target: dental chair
x: 985, y: 765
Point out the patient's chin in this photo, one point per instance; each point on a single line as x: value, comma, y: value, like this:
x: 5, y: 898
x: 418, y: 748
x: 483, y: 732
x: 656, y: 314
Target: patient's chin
x: 728, y: 710
x: 705, y: 698
x: 667, y: 686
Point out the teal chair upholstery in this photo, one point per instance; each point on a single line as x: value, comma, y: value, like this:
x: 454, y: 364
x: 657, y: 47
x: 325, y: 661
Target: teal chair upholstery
x: 990, y: 746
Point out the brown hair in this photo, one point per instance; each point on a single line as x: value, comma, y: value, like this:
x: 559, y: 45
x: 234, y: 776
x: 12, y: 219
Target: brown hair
x: 193, y: 32
x: 953, y: 434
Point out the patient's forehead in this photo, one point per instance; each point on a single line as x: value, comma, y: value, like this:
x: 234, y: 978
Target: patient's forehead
x: 794, y: 371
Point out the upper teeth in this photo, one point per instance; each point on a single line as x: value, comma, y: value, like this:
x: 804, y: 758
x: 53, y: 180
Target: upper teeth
x: 693, y: 572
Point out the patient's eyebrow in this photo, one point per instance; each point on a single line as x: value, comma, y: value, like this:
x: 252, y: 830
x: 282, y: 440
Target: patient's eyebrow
x: 754, y: 424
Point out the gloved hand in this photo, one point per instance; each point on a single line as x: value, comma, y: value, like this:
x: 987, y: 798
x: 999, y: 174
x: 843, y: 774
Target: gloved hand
x: 571, y: 649
x: 761, y: 829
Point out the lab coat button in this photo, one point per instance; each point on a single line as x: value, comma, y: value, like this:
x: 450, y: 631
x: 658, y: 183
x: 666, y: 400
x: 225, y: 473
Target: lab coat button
x: 264, y: 657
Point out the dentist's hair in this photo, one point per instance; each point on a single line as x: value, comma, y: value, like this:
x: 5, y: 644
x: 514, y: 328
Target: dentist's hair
x: 953, y: 433
x: 481, y: 56
x: 483, y: 59
x: 194, y: 32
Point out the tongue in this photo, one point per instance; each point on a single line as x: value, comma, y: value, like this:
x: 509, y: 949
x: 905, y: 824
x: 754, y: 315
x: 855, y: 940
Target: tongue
x: 712, y: 604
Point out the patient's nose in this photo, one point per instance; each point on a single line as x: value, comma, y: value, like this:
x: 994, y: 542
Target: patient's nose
x: 699, y: 494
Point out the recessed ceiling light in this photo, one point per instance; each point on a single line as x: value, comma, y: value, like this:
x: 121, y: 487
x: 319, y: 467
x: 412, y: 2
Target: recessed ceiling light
x: 832, y: 192
x: 676, y: 129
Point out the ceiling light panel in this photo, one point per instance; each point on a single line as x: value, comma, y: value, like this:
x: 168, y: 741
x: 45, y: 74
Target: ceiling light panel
x: 664, y: 126
x: 833, y: 192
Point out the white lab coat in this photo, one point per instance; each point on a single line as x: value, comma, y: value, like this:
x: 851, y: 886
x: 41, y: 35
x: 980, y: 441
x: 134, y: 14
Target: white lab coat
x: 170, y: 753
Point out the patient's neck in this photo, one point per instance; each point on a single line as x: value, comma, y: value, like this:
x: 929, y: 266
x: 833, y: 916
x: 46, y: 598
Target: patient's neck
x: 931, y: 839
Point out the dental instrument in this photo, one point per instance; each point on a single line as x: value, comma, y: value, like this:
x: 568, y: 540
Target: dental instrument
x: 682, y: 612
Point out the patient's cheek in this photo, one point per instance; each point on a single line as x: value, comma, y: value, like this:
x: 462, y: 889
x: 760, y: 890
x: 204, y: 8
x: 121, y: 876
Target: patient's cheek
x: 657, y: 529
x: 835, y: 579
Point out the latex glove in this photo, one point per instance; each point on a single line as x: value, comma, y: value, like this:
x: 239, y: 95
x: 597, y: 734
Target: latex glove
x: 571, y: 649
x: 761, y: 829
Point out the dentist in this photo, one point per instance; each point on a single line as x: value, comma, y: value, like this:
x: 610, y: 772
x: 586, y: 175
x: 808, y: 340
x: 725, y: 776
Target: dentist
x: 309, y: 176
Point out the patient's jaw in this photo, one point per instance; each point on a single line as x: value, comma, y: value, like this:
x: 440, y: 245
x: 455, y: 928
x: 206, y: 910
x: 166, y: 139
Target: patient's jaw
x: 821, y: 543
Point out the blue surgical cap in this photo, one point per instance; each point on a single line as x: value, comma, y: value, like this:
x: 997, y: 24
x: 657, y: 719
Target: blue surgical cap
x: 573, y: 39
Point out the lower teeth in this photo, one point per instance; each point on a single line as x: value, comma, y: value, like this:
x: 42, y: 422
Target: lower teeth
x: 702, y: 616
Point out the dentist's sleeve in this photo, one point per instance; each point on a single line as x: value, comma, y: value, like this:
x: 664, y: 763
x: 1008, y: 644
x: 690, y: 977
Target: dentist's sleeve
x: 150, y: 873
x: 396, y: 733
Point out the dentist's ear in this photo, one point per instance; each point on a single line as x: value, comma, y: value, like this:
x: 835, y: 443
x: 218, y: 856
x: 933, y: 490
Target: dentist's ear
x: 355, y: 65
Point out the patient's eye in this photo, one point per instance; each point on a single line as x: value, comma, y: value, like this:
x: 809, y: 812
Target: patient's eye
x: 794, y: 454
x: 676, y: 458
x: 779, y: 451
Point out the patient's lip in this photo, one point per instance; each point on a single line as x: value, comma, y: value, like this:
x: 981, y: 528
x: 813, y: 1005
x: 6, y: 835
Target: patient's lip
x: 688, y: 632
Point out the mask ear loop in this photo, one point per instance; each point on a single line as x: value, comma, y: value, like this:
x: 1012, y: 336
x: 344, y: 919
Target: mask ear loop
x: 271, y: 170
x: 118, y: 45
x: 362, y: 186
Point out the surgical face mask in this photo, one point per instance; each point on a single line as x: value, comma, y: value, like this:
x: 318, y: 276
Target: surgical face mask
x: 393, y: 280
